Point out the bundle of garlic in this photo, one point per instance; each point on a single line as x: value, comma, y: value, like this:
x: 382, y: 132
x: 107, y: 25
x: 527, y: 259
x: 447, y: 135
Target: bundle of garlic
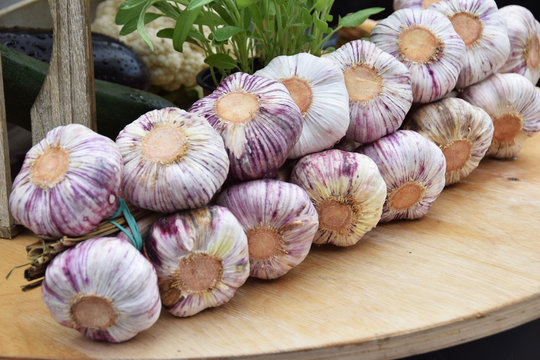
x: 201, y: 258
x: 173, y: 160
x: 103, y: 288
x: 413, y: 168
x: 258, y: 120
x: 513, y: 104
x: 524, y: 34
x: 68, y: 183
x: 379, y: 89
x: 461, y: 130
x: 426, y: 42
x: 416, y: 4
x: 482, y: 29
x: 279, y: 220
x: 348, y: 193
x: 316, y: 86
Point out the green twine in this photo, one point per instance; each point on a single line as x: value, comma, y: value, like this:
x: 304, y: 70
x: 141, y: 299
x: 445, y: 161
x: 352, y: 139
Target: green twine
x: 135, y: 235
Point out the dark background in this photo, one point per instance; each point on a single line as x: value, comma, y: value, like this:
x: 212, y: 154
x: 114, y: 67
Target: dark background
x: 521, y: 343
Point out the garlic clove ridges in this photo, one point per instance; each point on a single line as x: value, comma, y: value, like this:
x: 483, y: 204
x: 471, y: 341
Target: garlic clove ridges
x: 279, y: 220
x: 379, y: 89
x: 415, y: 4
x: 173, y: 160
x: 68, y: 183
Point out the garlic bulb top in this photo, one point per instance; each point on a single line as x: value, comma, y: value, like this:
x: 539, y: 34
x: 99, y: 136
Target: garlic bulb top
x: 104, y: 288
x: 279, y: 220
x: 379, y: 89
x: 68, y: 183
x: 524, y: 34
x: 172, y: 160
x: 426, y: 42
x: 482, y: 29
x: 316, y: 85
x: 417, y: 4
x: 201, y: 258
x: 258, y: 120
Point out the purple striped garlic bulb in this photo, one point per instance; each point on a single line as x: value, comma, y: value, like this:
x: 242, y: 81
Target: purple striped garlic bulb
x: 462, y: 131
x: 173, y: 160
x: 348, y: 193
x: 258, y: 120
x: 201, y: 258
x: 68, y: 183
x: 413, y: 168
x: 379, y: 88
x: 316, y: 86
x: 524, y: 34
x: 279, y: 220
x: 104, y: 288
x: 482, y: 29
x: 416, y: 4
x: 513, y: 104
x: 426, y: 42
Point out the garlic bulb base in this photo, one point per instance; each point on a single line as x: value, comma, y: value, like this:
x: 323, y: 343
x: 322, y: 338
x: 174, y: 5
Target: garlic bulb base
x: 363, y: 82
x: 49, y: 168
x: 93, y: 312
x: 468, y: 27
x: 418, y: 44
x: 237, y: 107
x: 457, y: 153
x: 300, y: 91
x: 506, y: 128
x: 165, y: 144
x: 406, y: 196
x: 335, y: 215
x: 263, y: 243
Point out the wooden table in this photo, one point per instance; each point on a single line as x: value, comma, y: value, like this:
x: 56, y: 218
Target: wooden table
x: 469, y: 269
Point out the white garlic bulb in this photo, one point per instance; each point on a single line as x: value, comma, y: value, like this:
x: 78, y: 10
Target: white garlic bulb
x: 68, y: 183
x: 104, y: 288
x: 279, y: 220
x: 417, y: 4
x: 173, y: 160
x: 461, y: 130
x: 513, y: 104
x: 316, y: 86
x: 379, y: 89
x: 524, y: 34
x: 347, y: 191
x: 201, y: 258
x: 426, y: 42
x: 482, y: 29
x: 414, y: 170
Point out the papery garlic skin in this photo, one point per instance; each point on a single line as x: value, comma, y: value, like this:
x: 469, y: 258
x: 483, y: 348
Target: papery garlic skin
x: 426, y: 42
x: 258, y: 120
x: 201, y: 258
x: 483, y: 31
x: 379, y: 88
x: 68, y: 183
x: 279, y: 220
x: 173, y: 160
x: 513, y: 104
x: 348, y: 193
x: 524, y: 34
x: 414, y: 171
x: 104, y: 288
x: 417, y: 4
x: 462, y: 131
x: 317, y: 87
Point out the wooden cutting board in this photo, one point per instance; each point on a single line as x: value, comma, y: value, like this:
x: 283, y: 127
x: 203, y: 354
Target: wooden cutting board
x: 469, y: 269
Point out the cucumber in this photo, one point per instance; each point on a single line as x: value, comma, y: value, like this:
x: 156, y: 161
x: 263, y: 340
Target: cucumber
x: 116, y: 105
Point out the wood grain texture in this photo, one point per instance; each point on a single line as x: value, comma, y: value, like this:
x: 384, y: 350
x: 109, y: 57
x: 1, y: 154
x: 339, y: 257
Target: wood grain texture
x: 68, y: 95
x: 469, y: 269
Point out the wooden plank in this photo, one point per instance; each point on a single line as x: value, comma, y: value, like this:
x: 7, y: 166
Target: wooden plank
x: 469, y: 269
x: 67, y: 95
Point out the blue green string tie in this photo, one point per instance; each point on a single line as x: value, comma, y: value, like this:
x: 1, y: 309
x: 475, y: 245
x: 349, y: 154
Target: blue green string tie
x: 135, y: 235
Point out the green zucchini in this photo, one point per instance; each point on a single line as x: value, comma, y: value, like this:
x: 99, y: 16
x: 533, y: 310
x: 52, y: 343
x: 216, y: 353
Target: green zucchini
x: 116, y: 105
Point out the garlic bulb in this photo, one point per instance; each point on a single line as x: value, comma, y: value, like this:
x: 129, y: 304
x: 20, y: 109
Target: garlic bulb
x: 348, y: 193
x: 258, y: 120
x: 68, y: 183
x: 104, y: 288
x: 514, y: 107
x: 482, y: 29
x: 379, y: 89
x: 417, y: 4
x: 461, y: 130
x: 413, y: 168
x: 524, y: 34
x: 279, y: 220
x: 201, y: 258
x: 316, y: 86
x: 173, y: 160
x: 426, y: 42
